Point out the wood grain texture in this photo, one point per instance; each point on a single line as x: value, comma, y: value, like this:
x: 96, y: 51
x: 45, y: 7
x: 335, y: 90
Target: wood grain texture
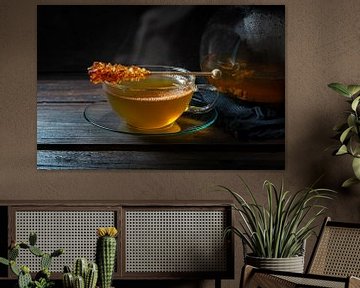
x: 66, y: 140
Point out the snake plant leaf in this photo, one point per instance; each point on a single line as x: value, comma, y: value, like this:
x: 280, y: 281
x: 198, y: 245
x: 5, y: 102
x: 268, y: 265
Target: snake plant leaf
x: 349, y: 182
x: 354, y: 90
x: 279, y: 228
x: 340, y: 88
x: 355, y: 103
x: 356, y: 167
x: 344, y: 134
x: 342, y: 150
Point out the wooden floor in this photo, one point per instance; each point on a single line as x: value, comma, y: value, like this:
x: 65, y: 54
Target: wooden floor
x: 66, y: 140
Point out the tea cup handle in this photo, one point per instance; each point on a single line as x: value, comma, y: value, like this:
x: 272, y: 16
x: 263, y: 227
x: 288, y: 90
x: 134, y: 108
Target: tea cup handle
x: 207, y: 107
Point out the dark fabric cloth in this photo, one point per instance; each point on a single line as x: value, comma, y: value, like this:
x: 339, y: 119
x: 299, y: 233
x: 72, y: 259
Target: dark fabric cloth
x: 247, y: 120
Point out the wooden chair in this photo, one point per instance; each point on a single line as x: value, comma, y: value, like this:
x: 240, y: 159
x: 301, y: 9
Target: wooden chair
x: 334, y: 263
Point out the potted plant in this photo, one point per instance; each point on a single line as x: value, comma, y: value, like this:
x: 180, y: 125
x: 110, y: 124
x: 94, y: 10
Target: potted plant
x: 84, y: 274
x: 349, y: 132
x: 276, y: 233
x: 42, y: 278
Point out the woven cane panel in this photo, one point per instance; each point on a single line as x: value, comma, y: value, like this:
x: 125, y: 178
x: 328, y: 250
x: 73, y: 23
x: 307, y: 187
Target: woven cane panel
x: 74, y: 231
x: 175, y: 241
x: 338, y: 253
x: 306, y: 282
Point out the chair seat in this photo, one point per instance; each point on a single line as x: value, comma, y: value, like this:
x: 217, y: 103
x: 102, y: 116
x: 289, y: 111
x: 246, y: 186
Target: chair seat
x: 267, y: 279
x: 315, y: 282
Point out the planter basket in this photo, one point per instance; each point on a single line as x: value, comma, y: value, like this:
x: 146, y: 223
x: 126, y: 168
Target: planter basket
x: 291, y: 264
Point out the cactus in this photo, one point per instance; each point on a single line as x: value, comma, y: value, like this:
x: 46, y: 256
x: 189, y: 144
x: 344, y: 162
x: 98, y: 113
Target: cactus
x: 24, y: 278
x: 45, y: 261
x: 80, y: 268
x: 68, y: 280
x: 87, y: 272
x: 91, y: 276
x: 67, y: 269
x: 36, y: 251
x: 13, y: 253
x: 42, y: 278
x: 24, y: 245
x: 79, y: 282
x: 106, y: 254
x: 57, y: 252
x: 44, y: 273
x: 32, y: 238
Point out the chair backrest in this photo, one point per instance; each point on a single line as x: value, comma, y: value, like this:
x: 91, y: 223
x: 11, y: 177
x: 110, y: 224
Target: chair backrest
x: 337, y: 251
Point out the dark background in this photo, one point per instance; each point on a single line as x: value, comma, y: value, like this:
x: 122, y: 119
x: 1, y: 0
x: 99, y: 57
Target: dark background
x: 71, y: 37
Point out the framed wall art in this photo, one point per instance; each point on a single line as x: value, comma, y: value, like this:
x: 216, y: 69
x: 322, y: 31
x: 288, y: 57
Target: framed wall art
x: 212, y: 96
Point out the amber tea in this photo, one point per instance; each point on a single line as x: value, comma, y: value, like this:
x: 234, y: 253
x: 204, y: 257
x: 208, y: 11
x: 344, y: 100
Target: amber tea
x: 249, y: 81
x: 151, y: 103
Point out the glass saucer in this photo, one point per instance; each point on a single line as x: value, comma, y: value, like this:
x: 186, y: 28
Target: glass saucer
x: 101, y: 115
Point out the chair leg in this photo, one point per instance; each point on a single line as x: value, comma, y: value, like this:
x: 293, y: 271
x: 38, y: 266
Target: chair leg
x: 246, y: 273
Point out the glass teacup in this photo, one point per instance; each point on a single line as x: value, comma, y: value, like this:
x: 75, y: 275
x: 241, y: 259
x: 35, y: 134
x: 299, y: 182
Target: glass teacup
x: 158, y: 100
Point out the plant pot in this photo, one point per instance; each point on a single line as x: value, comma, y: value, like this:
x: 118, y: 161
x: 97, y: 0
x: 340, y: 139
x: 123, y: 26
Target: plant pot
x: 291, y: 264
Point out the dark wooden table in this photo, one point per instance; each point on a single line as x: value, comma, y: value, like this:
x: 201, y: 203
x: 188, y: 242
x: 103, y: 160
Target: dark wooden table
x: 66, y: 140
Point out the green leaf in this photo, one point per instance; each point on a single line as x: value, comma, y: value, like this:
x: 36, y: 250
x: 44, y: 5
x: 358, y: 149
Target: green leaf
x: 340, y: 88
x: 342, y: 150
x: 349, y: 182
x: 345, y: 134
x: 14, y: 268
x: 279, y: 228
x: 353, y: 90
x: 4, y: 261
x: 355, y: 103
x: 356, y: 167
x: 351, y: 120
x: 354, y: 145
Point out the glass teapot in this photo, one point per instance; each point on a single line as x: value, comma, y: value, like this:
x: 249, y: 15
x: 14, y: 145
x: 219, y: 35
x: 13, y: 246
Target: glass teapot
x: 247, y: 43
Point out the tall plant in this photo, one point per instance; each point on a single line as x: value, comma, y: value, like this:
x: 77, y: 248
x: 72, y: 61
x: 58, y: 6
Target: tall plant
x: 279, y: 229
x: 349, y: 131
